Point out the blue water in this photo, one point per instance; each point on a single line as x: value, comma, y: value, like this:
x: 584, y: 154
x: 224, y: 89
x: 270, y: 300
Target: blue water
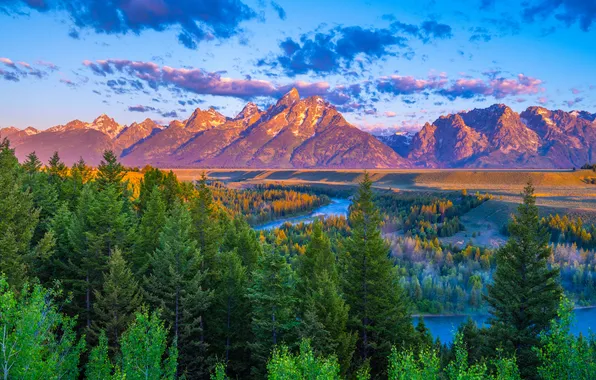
x: 337, y: 207
x: 444, y: 327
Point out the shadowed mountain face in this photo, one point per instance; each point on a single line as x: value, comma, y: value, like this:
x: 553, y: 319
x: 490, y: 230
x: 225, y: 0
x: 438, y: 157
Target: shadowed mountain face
x: 311, y: 133
x: 498, y: 137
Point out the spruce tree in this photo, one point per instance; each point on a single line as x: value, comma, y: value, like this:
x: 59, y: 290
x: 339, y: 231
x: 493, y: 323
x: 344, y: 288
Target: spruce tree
x: 175, y: 285
x: 18, y: 219
x: 205, y: 226
x: 46, y: 195
x: 150, y: 227
x: 324, y: 313
x: 56, y: 168
x: 273, y: 302
x: 378, y: 305
x: 229, y: 312
x: 109, y: 171
x: 80, y: 174
x: 239, y: 236
x: 32, y: 164
x: 152, y: 178
x: 101, y: 223
x: 117, y: 302
x: 524, y: 296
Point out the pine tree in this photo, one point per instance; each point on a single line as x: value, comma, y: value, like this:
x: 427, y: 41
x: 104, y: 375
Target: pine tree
x: 80, y: 174
x: 18, y: 219
x: 175, y: 285
x: 228, y: 314
x: 150, y: 227
x: 32, y: 164
x: 273, y: 303
x: 109, y: 171
x: 56, y: 168
x: 378, y: 305
x: 152, y: 178
x: 324, y: 312
x: 525, y: 293
x: 101, y: 223
x: 243, y: 239
x: 117, y: 302
x: 205, y: 226
x: 45, y: 194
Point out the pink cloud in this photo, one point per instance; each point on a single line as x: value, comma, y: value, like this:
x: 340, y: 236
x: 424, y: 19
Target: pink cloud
x: 390, y: 114
x: 202, y: 82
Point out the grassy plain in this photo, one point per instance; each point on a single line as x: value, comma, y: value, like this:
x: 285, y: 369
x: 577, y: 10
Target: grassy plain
x: 562, y: 192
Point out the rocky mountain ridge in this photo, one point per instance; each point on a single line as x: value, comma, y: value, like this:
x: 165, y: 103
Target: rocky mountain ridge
x: 310, y: 133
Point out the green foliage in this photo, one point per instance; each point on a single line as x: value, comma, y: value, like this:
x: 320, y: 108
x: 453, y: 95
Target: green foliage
x: 243, y: 239
x: 273, y: 301
x: 109, y: 172
x: 145, y: 352
x: 285, y: 366
x: 378, y: 305
x: 223, y: 300
x: 117, y: 302
x: 219, y: 373
x: 18, y: 220
x: 229, y: 312
x: 99, y: 365
x: 405, y: 365
x: 525, y: 293
x: 170, y: 189
x: 56, y: 169
x: 562, y: 355
x: 175, y: 286
x: 101, y: 223
x: 150, y: 227
x: 71, y: 189
x: 36, y: 340
x: 324, y: 311
x: 205, y: 227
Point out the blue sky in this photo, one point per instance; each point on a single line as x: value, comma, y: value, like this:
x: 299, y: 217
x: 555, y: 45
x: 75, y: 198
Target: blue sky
x: 384, y: 64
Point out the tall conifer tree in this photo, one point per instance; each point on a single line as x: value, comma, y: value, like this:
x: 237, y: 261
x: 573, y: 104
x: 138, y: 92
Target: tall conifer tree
x: 205, y: 227
x: 229, y: 335
x: 273, y: 302
x: 117, y: 302
x: 18, y: 219
x: 378, y: 305
x: 324, y: 312
x: 526, y: 292
x: 175, y: 285
x: 147, y: 240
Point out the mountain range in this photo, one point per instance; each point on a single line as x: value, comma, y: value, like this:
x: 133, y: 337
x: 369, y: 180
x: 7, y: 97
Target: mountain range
x: 311, y: 133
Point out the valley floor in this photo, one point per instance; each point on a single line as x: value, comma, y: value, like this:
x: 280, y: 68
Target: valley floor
x: 562, y: 192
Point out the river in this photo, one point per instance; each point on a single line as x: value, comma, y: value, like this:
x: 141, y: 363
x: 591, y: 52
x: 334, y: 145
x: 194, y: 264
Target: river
x: 444, y: 327
x: 440, y: 326
x: 337, y: 207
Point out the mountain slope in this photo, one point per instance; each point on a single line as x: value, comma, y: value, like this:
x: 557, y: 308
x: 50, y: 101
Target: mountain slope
x: 156, y: 149
x: 304, y: 133
x: 311, y: 133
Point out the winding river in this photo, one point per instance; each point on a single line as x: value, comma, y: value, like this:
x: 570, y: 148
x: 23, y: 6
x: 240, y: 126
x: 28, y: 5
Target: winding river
x: 337, y: 207
x: 440, y: 326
